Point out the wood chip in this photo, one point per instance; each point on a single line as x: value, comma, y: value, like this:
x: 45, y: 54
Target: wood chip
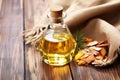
x: 84, y: 56
x: 96, y: 62
x: 92, y: 43
x: 79, y: 55
x: 102, y: 45
x: 81, y: 62
x: 96, y: 48
x: 99, y: 57
x: 94, y: 51
x: 77, y: 60
x: 103, y: 52
x: 105, y: 60
x: 89, y: 59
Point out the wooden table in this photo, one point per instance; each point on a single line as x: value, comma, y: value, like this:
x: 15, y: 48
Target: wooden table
x: 21, y: 62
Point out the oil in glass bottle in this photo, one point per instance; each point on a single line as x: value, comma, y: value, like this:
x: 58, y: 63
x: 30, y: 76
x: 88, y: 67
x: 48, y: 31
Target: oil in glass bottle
x: 57, y: 44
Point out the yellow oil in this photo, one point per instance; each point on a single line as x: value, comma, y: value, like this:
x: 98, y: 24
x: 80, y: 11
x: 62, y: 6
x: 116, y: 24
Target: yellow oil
x: 57, y: 49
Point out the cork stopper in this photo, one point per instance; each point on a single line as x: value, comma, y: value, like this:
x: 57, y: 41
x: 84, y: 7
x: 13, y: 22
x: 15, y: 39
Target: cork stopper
x: 56, y: 11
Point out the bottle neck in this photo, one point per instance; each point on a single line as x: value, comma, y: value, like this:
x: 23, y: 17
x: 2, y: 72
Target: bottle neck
x: 56, y: 20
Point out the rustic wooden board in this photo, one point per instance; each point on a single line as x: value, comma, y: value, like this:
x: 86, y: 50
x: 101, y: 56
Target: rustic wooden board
x: 36, y: 69
x: 94, y: 73
x: 11, y: 44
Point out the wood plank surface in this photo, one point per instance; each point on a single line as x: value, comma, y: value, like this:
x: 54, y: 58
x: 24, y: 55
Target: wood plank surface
x: 11, y: 45
x: 36, y: 69
x: 96, y: 73
x: 23, y: 62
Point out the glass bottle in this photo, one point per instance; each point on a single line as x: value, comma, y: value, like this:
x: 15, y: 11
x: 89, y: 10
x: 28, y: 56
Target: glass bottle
x: 57, y: 44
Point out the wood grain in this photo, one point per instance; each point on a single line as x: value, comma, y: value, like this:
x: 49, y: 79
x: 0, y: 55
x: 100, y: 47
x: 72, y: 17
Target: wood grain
x: 11, y: 45
x: 96, y: 73
x: 36, y: 69
x: 20, y: 62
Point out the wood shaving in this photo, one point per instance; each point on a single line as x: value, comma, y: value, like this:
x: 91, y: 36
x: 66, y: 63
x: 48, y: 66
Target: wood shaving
x: 96, y: 48
x: 92, y: 43
x: 94, y: 53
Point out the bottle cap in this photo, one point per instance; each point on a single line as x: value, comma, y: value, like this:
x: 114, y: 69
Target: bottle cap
x: 56, y: 11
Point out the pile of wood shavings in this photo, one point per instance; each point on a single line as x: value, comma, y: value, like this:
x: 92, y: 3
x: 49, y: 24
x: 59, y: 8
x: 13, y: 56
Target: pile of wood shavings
x: 94, y: 53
